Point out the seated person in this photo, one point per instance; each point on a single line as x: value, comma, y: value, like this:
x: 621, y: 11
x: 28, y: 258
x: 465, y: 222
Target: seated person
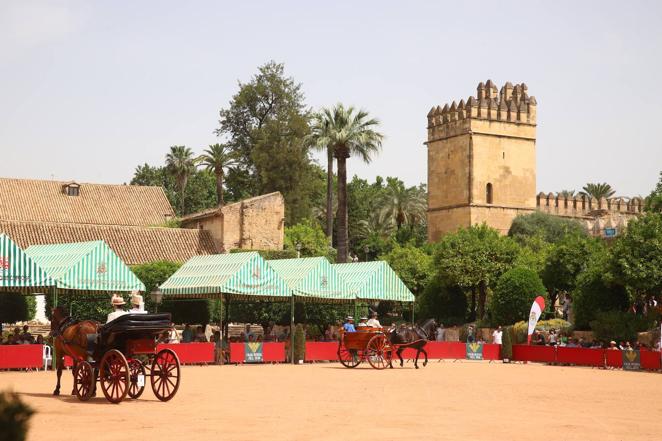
x: 373, y: 322
x: 137, y: 304
x: 349, y: 324
x: 200, y: 336
x: 26, y: 337
x: 117, y: 302
x: 187, y: 334
x: 363, y: 322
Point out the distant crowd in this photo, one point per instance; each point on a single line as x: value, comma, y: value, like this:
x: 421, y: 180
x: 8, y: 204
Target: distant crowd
x: 22, y: 338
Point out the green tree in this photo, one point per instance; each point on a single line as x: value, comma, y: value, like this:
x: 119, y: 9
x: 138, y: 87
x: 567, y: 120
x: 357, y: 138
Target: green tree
x: 598, y: 191
x: 474, y: 258
x: 551, y: 228
x: 637, y: 256
x: 216, y: 159
x: 318, y: 138
x: 406, y: 206
x: 654, y: 200
x: 180, y: 163
x: 266, y: 123
x: 14, y: 307
x: 513, y: 295
x: 412, y: 265
x: 447, y: 304
x: 349, y: 132
x: 312, y: 239
x: 94, y: 308
x: 566, y: 260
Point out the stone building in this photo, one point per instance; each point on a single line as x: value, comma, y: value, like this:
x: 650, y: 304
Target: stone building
x: 130, y: 219
x: 256, y: 223
x: 482, y: 167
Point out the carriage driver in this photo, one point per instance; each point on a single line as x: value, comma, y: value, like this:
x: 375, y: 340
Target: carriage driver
x: 117, y: 301
x: 137, y: 304
x: 349, y: 324
x: 373, y: 322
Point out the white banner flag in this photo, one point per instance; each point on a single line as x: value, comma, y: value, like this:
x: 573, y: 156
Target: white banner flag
x: 536, y: 309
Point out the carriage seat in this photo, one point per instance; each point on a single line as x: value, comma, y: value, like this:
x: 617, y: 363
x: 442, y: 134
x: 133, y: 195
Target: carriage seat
x: 141, y: 322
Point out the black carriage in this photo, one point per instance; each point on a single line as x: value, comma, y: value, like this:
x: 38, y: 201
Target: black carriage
x: 125, y: 355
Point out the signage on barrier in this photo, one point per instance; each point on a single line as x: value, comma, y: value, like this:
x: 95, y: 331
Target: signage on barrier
x: 253, y: 352
x: 474, y: 351
x: 631, y: 360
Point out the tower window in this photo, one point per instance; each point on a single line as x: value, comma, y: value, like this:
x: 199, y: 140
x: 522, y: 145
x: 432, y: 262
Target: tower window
x: 489, y: 193
x: 503, y: 155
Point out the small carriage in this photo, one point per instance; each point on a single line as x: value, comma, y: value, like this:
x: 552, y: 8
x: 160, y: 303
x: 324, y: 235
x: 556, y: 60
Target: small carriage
x: 124, y: 356
x: 366, y: 344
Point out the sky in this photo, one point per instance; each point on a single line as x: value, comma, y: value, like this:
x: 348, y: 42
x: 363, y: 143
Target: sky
x: 89, y: 90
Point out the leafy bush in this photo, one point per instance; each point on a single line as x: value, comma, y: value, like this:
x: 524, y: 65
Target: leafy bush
x: 515, y: 291
x: 619, y: 326
x: 14, y: 417
x: 521, y: 329
x: 270, y: 254
x: 15, y: 308
x: 412, y: 265
x: 447, y: 304
x: 312, y: 239
x: 551, y: 228
x: 299, y: 343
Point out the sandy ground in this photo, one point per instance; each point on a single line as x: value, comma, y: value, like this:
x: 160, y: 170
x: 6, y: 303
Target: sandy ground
x: 443, y: 401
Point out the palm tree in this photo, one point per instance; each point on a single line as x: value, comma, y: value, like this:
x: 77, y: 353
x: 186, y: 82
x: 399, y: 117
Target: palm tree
x: 318, y: 139
x: 217, y: 158
x: 349, y: 132
x: 379, y: 224
x: 180, y: 163
x: 598, y: 191
x: 404, y: 205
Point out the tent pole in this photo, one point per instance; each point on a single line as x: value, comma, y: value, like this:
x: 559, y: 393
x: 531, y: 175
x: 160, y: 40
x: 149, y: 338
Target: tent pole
x: 412, y: 311
x: 221, y: 334
x: 292, y: 330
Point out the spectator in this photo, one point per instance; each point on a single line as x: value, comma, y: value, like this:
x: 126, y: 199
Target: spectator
x: 553, y: 338
x: 187, y: 334
x: 628, y: 346
x: 621, y: 346
x: 39, y: 340
x: 612, y: 346
x: 363, y: 322
x: 163, y: 338
x: 441, y: 332
x: 172, y: 336
x: 284, y: 334
x: 200, y: 336
x: 248, y: 334
x: 470, y: 334
x: 497, y: 336
x: 539, y: 338
x: 572, y: 343
x: 26, y: 337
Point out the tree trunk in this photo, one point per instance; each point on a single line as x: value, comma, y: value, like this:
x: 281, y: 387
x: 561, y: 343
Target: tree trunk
x: 329, y: 195
x: 482, y: 298
x: 219, y: 189
x: 553, y: 295
x: 343, y: 236
x: 472, y: 314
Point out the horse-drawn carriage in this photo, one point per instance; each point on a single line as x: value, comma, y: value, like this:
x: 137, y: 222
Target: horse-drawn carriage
x: 124, y: 355
x: 365, y: 344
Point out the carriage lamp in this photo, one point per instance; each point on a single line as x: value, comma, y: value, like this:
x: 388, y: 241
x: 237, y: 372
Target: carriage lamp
x: 298, y: 247
x: 157, y: 297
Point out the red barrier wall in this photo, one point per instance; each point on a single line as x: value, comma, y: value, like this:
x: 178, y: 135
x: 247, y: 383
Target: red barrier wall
x: 21, y: 356
x: 581, y: 356
x: 491, y: 351
x: 545, y: 354
x: 649, y: 359
x: 613, y: 358
x: 189, y: 353
x: 271, y: 352
x: 320, y: 351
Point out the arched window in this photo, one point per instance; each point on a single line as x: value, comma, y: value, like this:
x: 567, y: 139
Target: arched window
x: 488, y: 193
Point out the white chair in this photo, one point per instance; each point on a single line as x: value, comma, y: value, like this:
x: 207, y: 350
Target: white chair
x: 47, y: 355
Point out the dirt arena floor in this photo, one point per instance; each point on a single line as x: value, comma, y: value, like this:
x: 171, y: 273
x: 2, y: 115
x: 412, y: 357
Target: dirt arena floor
x: 443, y: 401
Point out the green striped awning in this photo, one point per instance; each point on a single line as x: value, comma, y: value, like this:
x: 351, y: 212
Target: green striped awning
x: 18, y: 272
x: 240, y: 275
x: 313, y: 278
x: 374, y: 281
x: 85, y: 266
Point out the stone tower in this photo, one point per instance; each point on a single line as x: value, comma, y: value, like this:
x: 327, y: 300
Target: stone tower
x: 482, y: 160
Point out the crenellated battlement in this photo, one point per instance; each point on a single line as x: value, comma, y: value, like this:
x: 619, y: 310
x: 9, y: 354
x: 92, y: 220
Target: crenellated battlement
x: 510, y: 104
x: 586, y: 206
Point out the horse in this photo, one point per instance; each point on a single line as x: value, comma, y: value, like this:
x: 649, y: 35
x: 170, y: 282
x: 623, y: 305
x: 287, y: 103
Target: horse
x: 69, y: 338
x: 414, y: 337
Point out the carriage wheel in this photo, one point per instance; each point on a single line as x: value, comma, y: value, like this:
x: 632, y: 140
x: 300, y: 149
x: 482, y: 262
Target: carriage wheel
x: 378, y: 352
x: 114, y: 376
x: 83, y: 380
x: 165, y: 374
x: 348, y: 357
x: 136, y: 369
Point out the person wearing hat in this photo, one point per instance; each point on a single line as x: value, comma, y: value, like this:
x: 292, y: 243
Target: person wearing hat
x: 137, y: 304
x: 349, y: 324
x: 363, y: 322
x: 117, y: 301
x: 373, y: 322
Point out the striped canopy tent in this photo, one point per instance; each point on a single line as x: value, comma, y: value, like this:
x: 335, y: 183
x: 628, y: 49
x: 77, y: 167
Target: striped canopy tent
x: 236, y: 276
x: 313, y: 279
x: 85, y: 267
x: 374, y: 281
x: 20, y: 273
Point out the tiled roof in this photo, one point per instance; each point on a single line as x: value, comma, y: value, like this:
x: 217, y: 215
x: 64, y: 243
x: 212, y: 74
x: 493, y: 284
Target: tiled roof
x: 134, y: 245
x: 214, y: 211
x: 45, y: 201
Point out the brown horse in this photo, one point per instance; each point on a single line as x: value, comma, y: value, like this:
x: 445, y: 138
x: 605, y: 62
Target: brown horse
x: 69, y: 338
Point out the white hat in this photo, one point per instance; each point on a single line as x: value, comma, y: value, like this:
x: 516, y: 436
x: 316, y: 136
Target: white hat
x: 117, y: 300
x: 136, y: 299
